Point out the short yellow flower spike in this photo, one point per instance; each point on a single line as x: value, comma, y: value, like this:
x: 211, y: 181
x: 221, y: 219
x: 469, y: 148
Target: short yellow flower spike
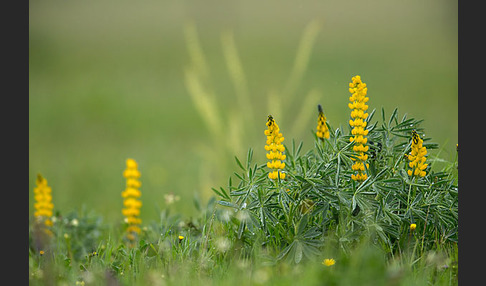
x: 358, y: 105
x: 329, y: 262
x: 413, y: 226
x: 322, y: 130
x: 417, y: 157
x: 275, y: 149
x: 131, y: 203
x: 43, y: 206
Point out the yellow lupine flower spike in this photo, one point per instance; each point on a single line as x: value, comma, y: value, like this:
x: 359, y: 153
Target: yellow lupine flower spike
x: 322, y: 130
x: 358, y: 105
x: 417, y: 157
x: 275, y: 149
x: 131, y: 203
x: 43, y: 206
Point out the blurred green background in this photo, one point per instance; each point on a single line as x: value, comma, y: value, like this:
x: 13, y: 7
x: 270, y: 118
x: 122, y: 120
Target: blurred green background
x: 111, y: 80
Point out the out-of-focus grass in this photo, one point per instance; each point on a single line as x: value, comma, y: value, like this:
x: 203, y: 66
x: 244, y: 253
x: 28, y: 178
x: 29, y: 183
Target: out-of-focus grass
x: 106, y: 83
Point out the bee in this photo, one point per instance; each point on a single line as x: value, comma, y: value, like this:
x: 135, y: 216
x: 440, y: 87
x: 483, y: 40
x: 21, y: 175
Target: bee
x: 270, y: 120
x: 415, y: 137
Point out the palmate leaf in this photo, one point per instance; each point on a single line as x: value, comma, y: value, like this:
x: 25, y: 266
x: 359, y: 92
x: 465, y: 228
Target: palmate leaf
x: 406, y: 127
x: 365, y: 200
x: 249, y: 156
x: 297, y: 252
x: 228, y: 204
x: 392, y: 230
x: 240, y: 192
x: 393, y: 116
x: 377, y: 229
x: 302, y: 225
x: 286, y: 250
x: 239, y: 164
x: 298, y: 249
x: 263, y: 221
x: 222, y: 194
x: 296, y: 152
x: 304, y: 242
x: 241, y: 228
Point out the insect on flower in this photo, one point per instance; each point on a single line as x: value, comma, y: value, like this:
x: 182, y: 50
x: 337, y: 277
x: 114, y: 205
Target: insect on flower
x: 417, y: 157
x: 270, y: 120
x: 322, y: 129
x: 415, y: 137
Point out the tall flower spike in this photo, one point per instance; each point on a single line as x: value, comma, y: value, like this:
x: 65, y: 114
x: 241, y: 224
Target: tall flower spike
x: 322, y: 130
x: 131, y: 201
x: 358, y: 105
x: 275, y: 149
x: 43, y: 206
x: 417, y: 157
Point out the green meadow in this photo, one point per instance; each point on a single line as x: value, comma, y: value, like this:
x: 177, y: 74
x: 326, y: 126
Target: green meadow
x: 185, y: 87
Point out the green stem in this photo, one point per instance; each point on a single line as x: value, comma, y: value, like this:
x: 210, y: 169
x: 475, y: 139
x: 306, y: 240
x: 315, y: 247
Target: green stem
x: 277, y: 180
x: 408, y: 197
x: 425, y: 225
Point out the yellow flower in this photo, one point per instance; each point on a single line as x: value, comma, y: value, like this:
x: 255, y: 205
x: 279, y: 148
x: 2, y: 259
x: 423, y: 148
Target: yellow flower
x: 358, y: 105
x: 42, y: 196
x: 131, y: 203
x: 275, y: 149
x: 413, y: 227
x: 329, y: 262
x: 322, y: 130
x: 417, y: 157
x: 181, y: 237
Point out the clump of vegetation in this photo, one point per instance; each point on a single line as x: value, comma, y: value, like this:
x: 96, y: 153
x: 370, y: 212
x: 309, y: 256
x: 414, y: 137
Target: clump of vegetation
x: 364, y: 205
x: 343, y: 193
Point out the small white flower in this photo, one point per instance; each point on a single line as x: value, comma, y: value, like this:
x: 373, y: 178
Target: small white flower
x: 171, y: 198
x: 226, y: 215
x: 242, y: 215
x: 222, y: 244
x: 74, y: 222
